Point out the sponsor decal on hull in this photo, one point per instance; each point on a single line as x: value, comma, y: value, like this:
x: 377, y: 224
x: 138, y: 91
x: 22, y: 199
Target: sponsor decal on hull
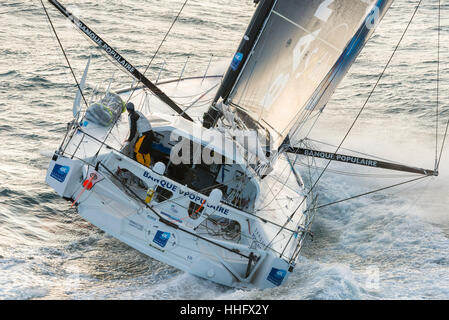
x: 60, y: 172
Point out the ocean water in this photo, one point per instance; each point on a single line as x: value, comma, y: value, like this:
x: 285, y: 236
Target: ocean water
x: 390, y: 245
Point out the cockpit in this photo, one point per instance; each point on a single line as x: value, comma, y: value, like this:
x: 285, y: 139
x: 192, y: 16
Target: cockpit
x: 203, y: 168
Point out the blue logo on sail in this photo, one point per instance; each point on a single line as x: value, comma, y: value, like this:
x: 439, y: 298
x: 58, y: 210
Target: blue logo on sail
x: 60, y: 172
x: 161, y: 238
x: 276, y: 276
x: 236, y: 61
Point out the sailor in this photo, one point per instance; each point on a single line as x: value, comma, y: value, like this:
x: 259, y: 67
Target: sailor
x: 140, y: 126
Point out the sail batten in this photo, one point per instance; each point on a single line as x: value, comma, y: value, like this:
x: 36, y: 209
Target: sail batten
x: 305, y: 30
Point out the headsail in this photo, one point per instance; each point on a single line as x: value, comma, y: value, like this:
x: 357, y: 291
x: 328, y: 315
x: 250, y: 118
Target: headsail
x: 304, y: 49
x: 77, y: 102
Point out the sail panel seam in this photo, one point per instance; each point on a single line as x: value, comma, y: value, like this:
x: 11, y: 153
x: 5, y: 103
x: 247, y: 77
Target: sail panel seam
x: 305, y: 30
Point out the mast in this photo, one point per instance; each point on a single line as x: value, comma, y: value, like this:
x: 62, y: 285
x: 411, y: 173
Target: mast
x: 119, y: 58
x: 243, y: 52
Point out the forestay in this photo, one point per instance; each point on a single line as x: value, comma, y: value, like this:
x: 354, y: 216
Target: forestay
x: 304, y: 49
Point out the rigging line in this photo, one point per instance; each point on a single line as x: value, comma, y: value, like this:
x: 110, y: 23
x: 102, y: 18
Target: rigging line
x: 438, y: 86
x: 300, y: 127
x: 438, y: 80
x: 443, y: 145
x: 57, y: 53
x: 412, y: 186
x: 360, y: 175
x: 121, y: 91
x: 314, y: 123
x: 305, y: 118
x: 140, y: 79
x: 158, y: 49
x: 368, y: 193
x: 63, y: 51
x: 191, y: 104
x: 357, y: 117
x: 65, y: 74
x: 274, y: 198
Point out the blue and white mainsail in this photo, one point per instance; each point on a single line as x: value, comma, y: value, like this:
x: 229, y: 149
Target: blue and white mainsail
x: 293, y: 56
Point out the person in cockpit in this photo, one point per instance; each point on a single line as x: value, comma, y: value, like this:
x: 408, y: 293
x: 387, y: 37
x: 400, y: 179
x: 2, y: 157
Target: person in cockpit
x: 140, y: 126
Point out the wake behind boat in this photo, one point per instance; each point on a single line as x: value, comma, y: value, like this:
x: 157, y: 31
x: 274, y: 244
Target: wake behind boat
x: 220, y: 198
